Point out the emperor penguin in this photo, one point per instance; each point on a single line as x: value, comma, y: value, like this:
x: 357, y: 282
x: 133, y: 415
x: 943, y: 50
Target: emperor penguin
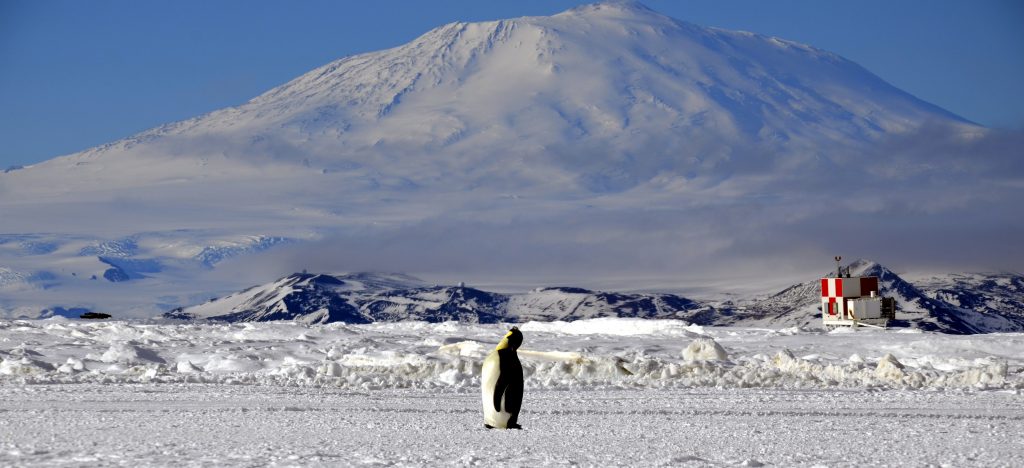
x: 501, y: 383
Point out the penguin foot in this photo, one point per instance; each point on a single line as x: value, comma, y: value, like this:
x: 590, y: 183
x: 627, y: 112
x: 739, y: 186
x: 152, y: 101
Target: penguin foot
x: 488, y: 426
x: 515, y: 426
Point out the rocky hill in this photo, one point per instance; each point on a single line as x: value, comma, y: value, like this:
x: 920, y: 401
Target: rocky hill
x: 364, y: 298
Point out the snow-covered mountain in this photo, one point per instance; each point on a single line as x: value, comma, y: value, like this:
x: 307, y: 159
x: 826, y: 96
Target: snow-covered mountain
x: 365, y: 298
x: 599, y: 98
x: 604, y: 138
x: 309, y: 298
x: 568, y: 303
x: 993, y: 294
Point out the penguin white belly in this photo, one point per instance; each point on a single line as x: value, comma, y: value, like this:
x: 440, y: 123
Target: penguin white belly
x: 488, y: 379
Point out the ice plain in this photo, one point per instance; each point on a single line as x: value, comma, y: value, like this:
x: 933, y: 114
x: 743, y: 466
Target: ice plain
x: 238, y: 425
x: 606, y: 392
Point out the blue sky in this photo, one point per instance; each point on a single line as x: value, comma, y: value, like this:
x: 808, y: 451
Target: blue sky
x: 75, y: 74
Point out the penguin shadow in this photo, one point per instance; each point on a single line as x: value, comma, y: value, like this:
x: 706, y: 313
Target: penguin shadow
x: 510, y: 426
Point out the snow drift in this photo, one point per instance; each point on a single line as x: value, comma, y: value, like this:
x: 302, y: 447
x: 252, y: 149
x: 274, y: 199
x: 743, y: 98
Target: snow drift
x: 597, y: 353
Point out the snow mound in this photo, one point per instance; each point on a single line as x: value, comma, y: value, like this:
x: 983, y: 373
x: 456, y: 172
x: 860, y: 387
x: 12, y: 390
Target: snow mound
x: 186, y: 367
x: 614, y: 326
x: 129, y: 353
x: 23, y: 366
x: 889, y: 368
x: 705, y: 349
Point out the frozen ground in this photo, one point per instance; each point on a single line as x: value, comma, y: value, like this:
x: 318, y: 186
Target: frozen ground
x: 216, y: 424
x: 599, y: 392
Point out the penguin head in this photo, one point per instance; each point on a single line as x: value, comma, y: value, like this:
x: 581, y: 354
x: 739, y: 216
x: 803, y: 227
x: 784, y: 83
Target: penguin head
x: 513, y: 339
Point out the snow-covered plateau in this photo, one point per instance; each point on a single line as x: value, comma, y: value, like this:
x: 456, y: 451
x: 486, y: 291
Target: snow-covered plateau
x: 609, y: 392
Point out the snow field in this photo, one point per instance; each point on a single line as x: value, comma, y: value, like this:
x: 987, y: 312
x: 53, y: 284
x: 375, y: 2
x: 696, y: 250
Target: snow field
x: 602, y: 392
x: 593, y: 354
x: 242, y: 425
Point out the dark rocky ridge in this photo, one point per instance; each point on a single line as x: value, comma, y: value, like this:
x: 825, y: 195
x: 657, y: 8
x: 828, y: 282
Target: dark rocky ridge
x: 983, y: 305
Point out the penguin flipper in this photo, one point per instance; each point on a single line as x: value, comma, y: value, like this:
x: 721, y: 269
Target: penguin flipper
x: 499, y: 391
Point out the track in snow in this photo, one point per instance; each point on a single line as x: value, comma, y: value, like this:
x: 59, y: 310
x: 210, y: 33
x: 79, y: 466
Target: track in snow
x: 196, y: 424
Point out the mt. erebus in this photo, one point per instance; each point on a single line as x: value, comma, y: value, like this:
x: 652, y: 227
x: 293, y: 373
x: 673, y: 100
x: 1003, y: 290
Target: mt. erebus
x: 604, y: 137
x: 603, y: 97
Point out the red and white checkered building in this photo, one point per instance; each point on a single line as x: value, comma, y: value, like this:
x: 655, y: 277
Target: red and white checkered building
x: 835, y: 293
